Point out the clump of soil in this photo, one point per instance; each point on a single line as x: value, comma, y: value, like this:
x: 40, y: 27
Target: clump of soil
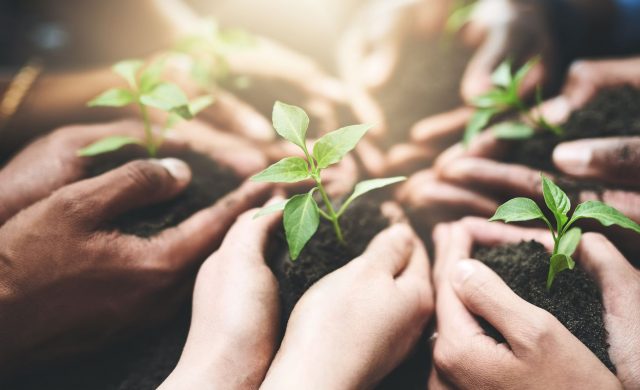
x: 612, y: 113
x: 574, y: 299
x: 210, y: 182
x: 426, y: 82
x: 323, y: 255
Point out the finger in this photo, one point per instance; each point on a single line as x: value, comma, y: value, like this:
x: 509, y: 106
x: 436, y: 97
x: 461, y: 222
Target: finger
x: 607, y: 159
x: 372, y: 158
x: 404, y: 158
x: 390, y: 250
x: 136, y: 184
x: 492, y: 175
x: 606, y: 265
x: 367, y: 110
x: 452, y: 243
x: 486, y: 145
x: 477, y: 77
x: 202, y: 233
x: 442, y: 128
x: 487, y: 233
x: 232, y: 114
x: 485, y: 294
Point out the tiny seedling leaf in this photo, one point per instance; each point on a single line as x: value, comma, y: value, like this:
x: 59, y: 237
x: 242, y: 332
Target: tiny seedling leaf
x: 557, y: 201
x: 291, y: 123
x: 152, y: 75
x: 287, y: 170
x: 106, y: 145
x: 274, y: 208
x: 167, y: 97
x: 301, y: 220
x: 116, y: 97
x: 200, y: 103
x: 501, y: 77
x: 478, y: 121
x: 512, y: 131
x: 128, y: 70
x: 332, y: 147
x: 604, y: 214
x: 369, y: 185
x: 569, y: 242
x: 518, y: 209
x: 559, y: 263
x: 524, y: 71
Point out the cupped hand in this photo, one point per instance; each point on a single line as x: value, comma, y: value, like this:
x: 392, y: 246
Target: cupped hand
x: 236, y: 313
x: 539, y: 351
x: 70, y: 276
x: 356, y: 324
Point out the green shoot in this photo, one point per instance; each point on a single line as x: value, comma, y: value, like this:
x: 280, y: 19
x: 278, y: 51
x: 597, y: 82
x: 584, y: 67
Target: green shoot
x: 565, y: 237
x: 208, y: 51
x: 502, y: 98
x: 145, y: 90
x: 301, y: 212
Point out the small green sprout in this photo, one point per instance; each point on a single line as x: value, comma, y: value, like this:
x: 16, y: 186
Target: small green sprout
x: 565, y: 238
x: 301, y: 212
x: 145, y: 89
x: 504, y: 97
x: 208, y: 51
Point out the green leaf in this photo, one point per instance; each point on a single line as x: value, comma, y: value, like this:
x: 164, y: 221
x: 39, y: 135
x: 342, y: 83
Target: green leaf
x: 128, y: 69
x: 152, y: 75
x: 168, y: 97
x: 106, y: 145
x: 274, y: 208
x: 459, y: 18
x: 287, y: 170
x: 524, y: 71
x: 501, y: 77
x: 569, y: 242
x: 301, y: 219
x: 332, y: 147
x: 513, y: 131
x: 476, y: 124
x: 604, y: 214
x: 116, y: 97
x: 291, y: 123
x: 200, y: 103
x: 496, y: 99
x: 559, y: 263
x: 557, y: 201
x: 369, y: 185
x: 518, y: 209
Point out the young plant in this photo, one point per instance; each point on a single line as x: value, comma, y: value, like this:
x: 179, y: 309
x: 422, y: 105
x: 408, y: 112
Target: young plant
x: 145, y: 89
x: 565, y: 237
x: 502, y: 98
x: 301, y: 212
x: 208, y: 50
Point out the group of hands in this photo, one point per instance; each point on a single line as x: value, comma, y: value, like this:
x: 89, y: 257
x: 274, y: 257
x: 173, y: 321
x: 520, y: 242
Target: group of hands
x: 70, y: 286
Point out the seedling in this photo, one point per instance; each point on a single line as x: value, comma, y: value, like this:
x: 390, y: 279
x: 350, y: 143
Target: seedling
x: 301, y: 212
x: 208, y: 51
x: 504, y: 97
x: 565, y: 237
x: 145, y: 89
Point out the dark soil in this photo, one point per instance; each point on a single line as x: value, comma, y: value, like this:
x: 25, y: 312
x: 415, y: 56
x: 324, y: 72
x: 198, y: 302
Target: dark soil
x: 426, y: 82
x: 210, y: 182
x: 323, y: 255
x: 612, y: 113
x: 574, y: 299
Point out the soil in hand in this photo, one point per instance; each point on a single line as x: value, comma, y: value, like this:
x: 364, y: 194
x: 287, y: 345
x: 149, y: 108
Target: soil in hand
x: 210, y: 182
x: 574, y: 299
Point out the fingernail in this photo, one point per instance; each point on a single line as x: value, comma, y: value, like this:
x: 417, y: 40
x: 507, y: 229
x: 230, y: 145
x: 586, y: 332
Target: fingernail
x: 462, y: 272
x: 177, y: 168
x: 573, y: 158
x: 556, y: 110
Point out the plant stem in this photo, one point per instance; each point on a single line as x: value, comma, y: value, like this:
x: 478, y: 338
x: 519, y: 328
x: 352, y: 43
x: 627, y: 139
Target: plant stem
x: 333, y: 217
x: 150, y: 141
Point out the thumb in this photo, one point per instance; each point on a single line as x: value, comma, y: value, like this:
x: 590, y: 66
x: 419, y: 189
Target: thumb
x: 608, y: 159
x: 391, y: 249
x: 138, y: 183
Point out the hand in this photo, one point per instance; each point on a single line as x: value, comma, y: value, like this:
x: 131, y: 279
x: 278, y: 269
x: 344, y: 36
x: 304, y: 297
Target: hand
x: 51, y: 162
x: 236, y: 313
x: 541, y: 353
x: 360, y: 321
x: 70, y: 276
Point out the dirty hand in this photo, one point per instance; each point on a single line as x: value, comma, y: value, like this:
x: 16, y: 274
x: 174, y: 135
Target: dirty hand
x: 236, y: 313
x: 68, y: 275
x: 360, y: 321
